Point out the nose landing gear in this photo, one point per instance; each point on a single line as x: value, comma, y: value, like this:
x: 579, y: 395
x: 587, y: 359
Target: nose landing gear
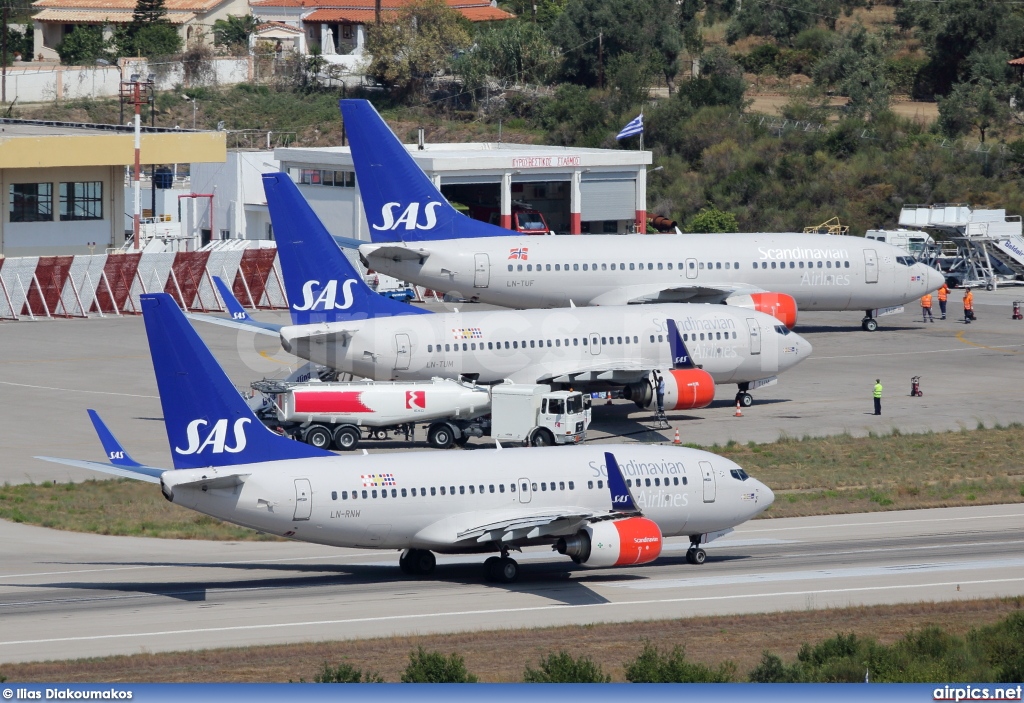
x: 695, y: 555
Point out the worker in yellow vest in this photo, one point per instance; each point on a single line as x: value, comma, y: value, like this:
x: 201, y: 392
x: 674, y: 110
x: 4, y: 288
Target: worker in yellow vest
x: 926, y: 308
x: 942, y: 293
x: 878, y: 396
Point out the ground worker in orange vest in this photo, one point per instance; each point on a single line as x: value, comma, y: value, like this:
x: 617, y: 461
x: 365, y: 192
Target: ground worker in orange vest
x: 942, y: 294
x: 968, y: 306
x: 926, y: 308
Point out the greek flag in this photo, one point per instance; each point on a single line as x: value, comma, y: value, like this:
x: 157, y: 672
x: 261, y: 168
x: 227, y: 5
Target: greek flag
x: 633, y: 128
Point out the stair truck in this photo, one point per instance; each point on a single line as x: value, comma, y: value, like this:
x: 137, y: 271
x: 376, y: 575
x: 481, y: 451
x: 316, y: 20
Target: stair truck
x: 327, y: 414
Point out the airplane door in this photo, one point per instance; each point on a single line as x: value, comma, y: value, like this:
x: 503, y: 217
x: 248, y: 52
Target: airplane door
x: 691, y: 268
x: 525, y: 494
x: 303, y: 499
x: 755, y: 335
x: 403, y: 348
x: 870, y: 266
x: 482, y: 271
x: 595, y: 344
x: 710, y: 486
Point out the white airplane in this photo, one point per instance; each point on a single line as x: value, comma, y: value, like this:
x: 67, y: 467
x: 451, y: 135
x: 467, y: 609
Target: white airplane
x: 418, y: 237
x: 601, y: 506
x: 342, y: 323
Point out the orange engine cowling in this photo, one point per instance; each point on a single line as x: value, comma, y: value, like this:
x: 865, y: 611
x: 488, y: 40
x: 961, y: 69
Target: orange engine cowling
x: 779, y: 305
x: 635, y: 540
x: 688, y: 388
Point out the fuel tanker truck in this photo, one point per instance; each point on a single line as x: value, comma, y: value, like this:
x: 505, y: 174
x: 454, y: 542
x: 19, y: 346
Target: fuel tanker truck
x: 341, y: 414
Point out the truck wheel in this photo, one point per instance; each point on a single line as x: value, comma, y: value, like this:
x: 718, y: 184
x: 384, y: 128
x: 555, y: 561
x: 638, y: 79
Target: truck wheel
x: 319, y: 436
x: 462, y: 441
x: 542, y: 437
x: 440, y: 436
x: 346, y: 438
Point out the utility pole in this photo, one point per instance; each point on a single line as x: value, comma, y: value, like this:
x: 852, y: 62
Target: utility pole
x: 600, y: 60
x: 137, y: 92
x: 3, y: 58
x: 376, y: 9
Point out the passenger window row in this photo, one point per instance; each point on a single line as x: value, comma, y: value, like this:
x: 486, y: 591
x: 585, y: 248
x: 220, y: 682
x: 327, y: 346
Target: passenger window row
x: 621, y: 266
x: 800, y: 264
x: 657, y: 482
x: 533, y: 344
x: 687, y: 337
x: 450, y: 490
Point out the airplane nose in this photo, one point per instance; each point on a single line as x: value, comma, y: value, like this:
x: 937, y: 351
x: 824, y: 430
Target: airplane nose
x: 766, y: 497
x: 934, y: 279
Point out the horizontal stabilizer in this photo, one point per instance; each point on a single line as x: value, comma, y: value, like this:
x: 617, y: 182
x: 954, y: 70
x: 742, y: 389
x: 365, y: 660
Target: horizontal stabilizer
x: 149, y: 474
x: 266, y: 328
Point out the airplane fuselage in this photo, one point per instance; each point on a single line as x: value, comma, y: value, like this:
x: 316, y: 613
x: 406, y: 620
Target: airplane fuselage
x: 614, y: 344
x: 821, y: 272
x: 398, y: 501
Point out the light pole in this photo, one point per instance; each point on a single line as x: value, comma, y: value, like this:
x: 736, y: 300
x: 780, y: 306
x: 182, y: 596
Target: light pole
x: 193, y: 101
x: 136, y: 92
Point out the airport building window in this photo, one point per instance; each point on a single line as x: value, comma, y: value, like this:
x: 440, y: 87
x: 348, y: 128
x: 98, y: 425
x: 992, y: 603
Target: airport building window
x: 31, y: 202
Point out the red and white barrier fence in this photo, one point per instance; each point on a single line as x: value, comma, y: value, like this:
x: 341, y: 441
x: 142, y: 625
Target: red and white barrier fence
x: 78, y: 286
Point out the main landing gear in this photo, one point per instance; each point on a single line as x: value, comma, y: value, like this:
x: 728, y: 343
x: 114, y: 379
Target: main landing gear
x: 501, y: 569
x: 869, y: 323
x: 695, y: 555
x: 417, y: 562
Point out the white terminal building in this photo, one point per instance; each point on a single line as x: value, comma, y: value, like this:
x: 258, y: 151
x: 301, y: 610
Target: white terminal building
x: 579, y: 191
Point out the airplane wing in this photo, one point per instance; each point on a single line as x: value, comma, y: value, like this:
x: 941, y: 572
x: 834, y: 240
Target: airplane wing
x: 617, y: 372
x: 149, y: 474
x: 527, y: 525
x: 393, y: 252
x: 702, y: 293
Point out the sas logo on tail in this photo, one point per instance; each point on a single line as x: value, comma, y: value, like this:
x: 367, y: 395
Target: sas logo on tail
x: 217, y: 438
x: 409, y: 216
x: 325, y: 298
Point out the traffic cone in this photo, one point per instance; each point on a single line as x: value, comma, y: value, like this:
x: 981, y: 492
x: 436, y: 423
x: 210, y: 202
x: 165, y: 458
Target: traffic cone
x: 738, y: 413
x: 677, y: 440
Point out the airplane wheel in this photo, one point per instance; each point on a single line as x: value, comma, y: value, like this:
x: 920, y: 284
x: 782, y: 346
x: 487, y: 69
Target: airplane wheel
x: 346, y: 438
x: 542, y: 438
x: 696, y: 556
x: 404, y: 562
x: 422, y: 562
x: 440, y: 436
x: 746, y: 400
x: 319, y: 436
x: 870, y: 324
x: 507, y: 570
x: 491, y: 568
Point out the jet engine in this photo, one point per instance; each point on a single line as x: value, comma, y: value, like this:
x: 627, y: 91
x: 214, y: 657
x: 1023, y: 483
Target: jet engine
x: 688, y: 388
x: 779, y: 305
x: 634, y: 540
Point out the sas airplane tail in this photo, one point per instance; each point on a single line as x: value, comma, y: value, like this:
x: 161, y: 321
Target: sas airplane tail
x: 401, y: 203
x: 322, y: 284
x: 681, y: 358
x: 208, y: 422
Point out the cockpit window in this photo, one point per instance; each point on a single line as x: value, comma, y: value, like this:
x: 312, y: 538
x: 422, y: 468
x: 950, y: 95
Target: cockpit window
x: 739, y: 474
x: 906, y: 260
x: 782, y: 329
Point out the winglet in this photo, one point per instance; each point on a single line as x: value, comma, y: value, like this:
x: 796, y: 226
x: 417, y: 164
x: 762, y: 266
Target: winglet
x: 234, y: 307
x: 681, y: 358
x: 622, y: 497
x: 114, y: 451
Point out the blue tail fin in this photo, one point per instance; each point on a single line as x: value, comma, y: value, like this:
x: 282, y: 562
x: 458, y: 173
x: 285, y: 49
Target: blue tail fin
x: 208, y: 422
x: 234, y: 307
x: 622, y: 498
x: 681, y: 358
x: 115, y: 452
x: 401, y: 203
x: 321, y: 283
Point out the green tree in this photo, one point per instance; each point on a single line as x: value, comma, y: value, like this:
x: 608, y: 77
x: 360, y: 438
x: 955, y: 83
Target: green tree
x: 969, y: 106
x: 856, y: 66
x: 540, y: 12
x: 772, y: 670
x: 574, y: 116
x: 508, y: 52
x: 234, y: 31
x: 783, y: 21
x: 711, y: 219
x: 149, y: 33
x: 345, y: 673
x: 415, y: 46
x: 434, y: 667
x: 564, y: 668
x: 651, y: 666
x: 83, y: 45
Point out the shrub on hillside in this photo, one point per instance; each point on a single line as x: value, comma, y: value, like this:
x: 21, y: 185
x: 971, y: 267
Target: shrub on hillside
x: 564, y: 668
x: 345, y: 673
x: 434, y: 667
x: 652, y: 666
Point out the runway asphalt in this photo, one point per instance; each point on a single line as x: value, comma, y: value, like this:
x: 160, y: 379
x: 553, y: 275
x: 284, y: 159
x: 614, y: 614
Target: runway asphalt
x: 53, y: 370
x: 66, y: 595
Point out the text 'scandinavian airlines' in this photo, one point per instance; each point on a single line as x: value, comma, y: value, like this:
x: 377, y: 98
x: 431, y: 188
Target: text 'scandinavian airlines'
x: 340, y: 322
x: 601, y: 506
x: 418, y: 237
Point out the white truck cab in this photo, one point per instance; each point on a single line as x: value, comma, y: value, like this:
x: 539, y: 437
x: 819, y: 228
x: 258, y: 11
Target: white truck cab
x: 536, y: 415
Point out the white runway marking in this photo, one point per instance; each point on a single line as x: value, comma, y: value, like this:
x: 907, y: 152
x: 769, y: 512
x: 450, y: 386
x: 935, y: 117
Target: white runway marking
x: 500, y: 611
x: 76, y: 390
